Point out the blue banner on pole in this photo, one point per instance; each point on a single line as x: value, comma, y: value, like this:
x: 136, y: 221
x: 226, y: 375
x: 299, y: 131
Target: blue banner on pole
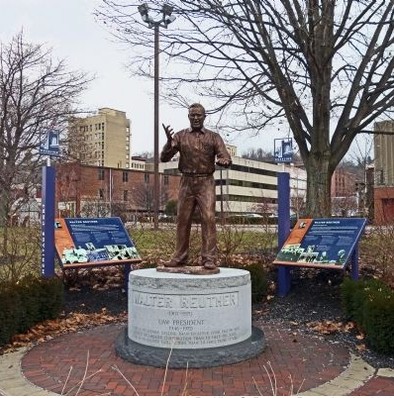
x: 283, y: 150
x: 50, y: 143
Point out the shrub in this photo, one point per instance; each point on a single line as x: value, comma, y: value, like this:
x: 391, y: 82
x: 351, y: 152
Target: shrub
x: 379, y: 322
x: 28, y: 302
x: 20, y: 255
x: 10, y: 313
x: 376, y: 248
x: 259, y: 279
x: 355, y: 293
x: 370, y: 303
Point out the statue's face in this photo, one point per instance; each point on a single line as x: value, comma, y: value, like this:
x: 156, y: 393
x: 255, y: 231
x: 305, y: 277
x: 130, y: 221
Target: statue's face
x: 196, y: 117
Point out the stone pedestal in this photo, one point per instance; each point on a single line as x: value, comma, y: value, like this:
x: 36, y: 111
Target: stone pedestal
x: 196, y: 320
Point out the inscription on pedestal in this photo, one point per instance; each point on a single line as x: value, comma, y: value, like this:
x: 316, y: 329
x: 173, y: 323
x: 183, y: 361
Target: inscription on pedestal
x: 178, y: 302
x: 161, y: 314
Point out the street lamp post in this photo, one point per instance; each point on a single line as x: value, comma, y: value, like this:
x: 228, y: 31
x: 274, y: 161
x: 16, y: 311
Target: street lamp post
x: 164, y: 19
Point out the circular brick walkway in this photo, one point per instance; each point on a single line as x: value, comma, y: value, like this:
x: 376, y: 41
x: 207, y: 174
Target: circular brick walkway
x: 85, y: 363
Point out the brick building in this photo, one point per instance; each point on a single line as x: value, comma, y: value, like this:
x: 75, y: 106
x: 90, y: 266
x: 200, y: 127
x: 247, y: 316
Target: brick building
x: 344, y: 198
x: 91, y: 191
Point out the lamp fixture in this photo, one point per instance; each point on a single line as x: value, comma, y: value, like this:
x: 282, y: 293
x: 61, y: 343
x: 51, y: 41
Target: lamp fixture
x: 165, y: 19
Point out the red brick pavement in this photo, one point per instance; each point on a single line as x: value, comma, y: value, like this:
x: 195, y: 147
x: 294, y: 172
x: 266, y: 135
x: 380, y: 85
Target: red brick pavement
x: 376, y: 386
x: 291, y: 362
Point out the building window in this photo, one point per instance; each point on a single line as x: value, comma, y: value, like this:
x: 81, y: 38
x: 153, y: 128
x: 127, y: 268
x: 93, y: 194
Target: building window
x: 101, y: 174
x: 125, y: 176
x: 101, y: 193
x: 166, y: 180
x: 125, y: 195
x: 146, y: 178
x: 253, y: 170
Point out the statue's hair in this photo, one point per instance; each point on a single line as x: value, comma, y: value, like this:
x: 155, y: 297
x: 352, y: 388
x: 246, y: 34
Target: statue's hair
x: 196, y: 106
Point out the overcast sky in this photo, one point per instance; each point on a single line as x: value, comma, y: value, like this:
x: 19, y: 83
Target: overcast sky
x: 69, y: 28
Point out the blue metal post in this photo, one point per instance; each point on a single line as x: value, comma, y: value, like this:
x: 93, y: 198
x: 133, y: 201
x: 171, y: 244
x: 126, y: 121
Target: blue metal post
x: 284, y: 279
x: 48, y: 221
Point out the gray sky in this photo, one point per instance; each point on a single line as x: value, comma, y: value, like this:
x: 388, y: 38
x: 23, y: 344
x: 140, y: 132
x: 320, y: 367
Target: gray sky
x: 69, y: 28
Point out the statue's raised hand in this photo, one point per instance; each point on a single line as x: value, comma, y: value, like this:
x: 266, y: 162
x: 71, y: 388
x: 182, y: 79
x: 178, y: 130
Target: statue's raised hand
x: 169, y: 132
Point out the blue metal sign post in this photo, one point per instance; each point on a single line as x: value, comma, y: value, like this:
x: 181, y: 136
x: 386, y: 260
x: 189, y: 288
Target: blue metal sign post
x: 48, y: 221
x: 284, y: 279
x: 49, y: 147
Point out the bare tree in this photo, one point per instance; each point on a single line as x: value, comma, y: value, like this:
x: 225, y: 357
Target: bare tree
x: 36, y: 93
x: 142, y: 198
x: 75, y: 145
x: 323, y: 66
x: 259, y: 154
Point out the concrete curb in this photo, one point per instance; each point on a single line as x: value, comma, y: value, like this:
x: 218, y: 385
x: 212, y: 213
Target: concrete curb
x: 385, y: 372
x: 354, y: 376
x: 12, y: 381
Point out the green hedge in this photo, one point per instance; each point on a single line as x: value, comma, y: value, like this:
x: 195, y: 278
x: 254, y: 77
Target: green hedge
x: 258, y: 279
x: 28, y: 302
x: 370, y: 303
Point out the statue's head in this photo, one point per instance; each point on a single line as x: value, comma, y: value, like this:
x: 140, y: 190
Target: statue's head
x: 196, y: 116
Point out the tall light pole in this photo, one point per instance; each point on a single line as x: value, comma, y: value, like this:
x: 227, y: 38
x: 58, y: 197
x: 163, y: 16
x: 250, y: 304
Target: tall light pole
x: 164, y: 19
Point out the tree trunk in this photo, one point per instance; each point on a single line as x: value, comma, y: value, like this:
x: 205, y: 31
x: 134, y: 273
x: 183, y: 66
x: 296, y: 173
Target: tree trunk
x: 318, y: 186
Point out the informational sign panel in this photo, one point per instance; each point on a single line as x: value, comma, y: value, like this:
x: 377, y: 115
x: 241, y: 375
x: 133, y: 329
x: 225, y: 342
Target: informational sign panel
x: 321, y: 243
x: 93, y: 240
x: 50, y: 143
x: 283, y: 150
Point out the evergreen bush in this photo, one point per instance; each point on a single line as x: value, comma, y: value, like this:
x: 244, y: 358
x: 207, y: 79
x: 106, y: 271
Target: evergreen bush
x: 259, y: 280
x: 27, y: 302
x: 10, y: 313
x: 378, y: 321
x: 370, y: 303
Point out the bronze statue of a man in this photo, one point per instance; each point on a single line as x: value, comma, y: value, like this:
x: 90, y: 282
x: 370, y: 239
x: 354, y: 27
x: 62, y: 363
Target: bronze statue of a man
x: 198, y: 148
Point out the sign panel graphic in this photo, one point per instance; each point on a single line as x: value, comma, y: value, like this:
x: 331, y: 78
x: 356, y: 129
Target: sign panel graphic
x: 323, y: 243
x: 283, y: 150
x: 50, y: 144
x: 93, y: 240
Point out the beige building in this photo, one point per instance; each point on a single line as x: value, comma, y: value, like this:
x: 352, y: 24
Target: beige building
x: 251, y: 186
x: 384, y: 153
x: 103, y: 139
